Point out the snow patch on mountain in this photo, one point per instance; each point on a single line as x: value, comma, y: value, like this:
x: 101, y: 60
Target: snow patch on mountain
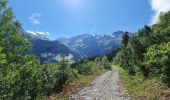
x: 38, y: 34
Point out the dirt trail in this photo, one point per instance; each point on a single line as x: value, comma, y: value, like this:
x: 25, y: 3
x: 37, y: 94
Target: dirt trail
x: 105, y: 87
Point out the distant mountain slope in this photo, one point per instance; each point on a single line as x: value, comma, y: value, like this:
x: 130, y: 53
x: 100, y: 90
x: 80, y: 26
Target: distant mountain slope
x: 88, y: 45
x: 52, y: 50
x: 48, y: 50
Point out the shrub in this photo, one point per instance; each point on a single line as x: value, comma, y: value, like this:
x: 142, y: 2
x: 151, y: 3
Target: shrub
x: 158, y: 58
x: 50, y: 76
x: 87, y: 68
x: 105, y: 63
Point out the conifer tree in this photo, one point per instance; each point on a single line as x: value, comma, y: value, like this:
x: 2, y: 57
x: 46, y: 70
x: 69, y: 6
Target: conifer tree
x: 125, y: 39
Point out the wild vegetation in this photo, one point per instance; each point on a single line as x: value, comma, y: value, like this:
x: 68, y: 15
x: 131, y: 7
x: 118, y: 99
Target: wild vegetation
x: 22, y: 77
x: 146, y: 55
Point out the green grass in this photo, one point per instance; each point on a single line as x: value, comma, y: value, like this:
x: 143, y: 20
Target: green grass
x: 143, y: 89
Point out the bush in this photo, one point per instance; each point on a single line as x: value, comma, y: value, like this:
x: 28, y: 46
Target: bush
x: 106, y: 64
x: 50, y: 77
x: 21, y: 82
x: 157, y: 59
x: 126, y: 60
x: 88, y: 68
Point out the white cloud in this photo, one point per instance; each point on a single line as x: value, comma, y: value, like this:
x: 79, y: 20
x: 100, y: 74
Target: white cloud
x: 59, y: 58
x: 34, y: 18
x: 45, y: 55
x: 36, y: 33
x: 159, y: 6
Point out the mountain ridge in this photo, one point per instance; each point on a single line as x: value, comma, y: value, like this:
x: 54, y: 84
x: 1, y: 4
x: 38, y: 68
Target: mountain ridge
x: 90, y: 45
x: 50, y: 50
x: 76, y: 47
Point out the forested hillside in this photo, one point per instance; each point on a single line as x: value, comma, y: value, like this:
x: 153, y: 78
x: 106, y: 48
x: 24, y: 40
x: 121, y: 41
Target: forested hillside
x: 147, y: 54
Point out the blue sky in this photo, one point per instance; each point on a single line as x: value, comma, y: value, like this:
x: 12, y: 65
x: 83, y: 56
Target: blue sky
x: 65, y: 18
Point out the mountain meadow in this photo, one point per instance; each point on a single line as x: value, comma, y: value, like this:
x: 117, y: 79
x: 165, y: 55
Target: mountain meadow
x: 36, y: 68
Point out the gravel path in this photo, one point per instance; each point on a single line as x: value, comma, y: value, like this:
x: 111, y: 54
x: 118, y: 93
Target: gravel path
x: 105, y: 87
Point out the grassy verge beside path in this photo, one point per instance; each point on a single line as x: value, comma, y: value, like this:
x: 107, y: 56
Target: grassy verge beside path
x: 144, y: 89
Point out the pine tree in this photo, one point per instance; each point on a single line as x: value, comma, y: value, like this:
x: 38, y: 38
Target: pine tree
x: 64, y: 73
x: 125, y: 40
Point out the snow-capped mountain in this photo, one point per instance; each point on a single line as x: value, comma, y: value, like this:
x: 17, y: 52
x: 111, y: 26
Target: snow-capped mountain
x: 48, y: 50
x: 74, y: 48
x: 38, y: 35
x: 88, y: 45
